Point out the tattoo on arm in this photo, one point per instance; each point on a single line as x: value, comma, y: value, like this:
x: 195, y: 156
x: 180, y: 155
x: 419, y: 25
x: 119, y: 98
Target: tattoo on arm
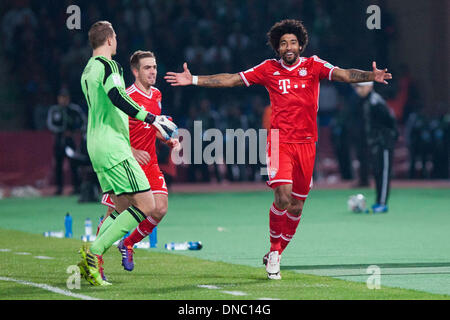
x: 212, y: 81
x: 356, y: 75
x: 221, y: 80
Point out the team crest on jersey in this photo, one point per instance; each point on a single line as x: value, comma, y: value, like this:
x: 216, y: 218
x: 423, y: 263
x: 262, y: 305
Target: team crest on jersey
x: 302, y: 72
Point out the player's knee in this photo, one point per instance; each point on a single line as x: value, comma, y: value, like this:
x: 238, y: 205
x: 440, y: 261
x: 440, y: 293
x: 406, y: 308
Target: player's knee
x: 282, y: 201
x: 160, y: 211
x: 282, y: 197
x: 147, y: 208
x: 296, y: 210
x: 296, y: 207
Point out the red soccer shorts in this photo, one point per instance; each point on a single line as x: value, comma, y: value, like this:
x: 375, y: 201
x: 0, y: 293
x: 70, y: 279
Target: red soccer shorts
x: 155, y: 178
x: 294, y: 165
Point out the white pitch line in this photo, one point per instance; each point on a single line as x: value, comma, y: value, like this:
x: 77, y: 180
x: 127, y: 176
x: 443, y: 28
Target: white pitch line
x: 235, y: 293
x: 207, y: 286
x: 50, y: 288
x: 43, y: 257
x: 27, y: 254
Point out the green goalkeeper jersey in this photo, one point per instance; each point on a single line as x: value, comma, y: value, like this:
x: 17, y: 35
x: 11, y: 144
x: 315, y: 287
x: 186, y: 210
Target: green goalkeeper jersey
x: 108, y: 139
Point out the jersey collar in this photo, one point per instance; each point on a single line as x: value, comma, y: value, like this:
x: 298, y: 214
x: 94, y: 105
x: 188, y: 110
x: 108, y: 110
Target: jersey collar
x: 142, y: 92
x: 300, y: 61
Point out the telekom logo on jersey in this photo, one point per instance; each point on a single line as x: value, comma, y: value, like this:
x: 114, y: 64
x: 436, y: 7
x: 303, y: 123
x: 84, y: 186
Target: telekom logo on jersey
x: 284, y: 84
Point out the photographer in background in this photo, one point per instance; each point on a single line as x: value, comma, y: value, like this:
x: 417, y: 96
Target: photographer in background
x: 380, y: 129
x: 65, y: 120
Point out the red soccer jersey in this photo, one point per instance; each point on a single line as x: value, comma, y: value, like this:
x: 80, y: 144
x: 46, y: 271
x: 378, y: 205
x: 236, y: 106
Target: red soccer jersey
x: 294, y: 95
x: 143, y: 135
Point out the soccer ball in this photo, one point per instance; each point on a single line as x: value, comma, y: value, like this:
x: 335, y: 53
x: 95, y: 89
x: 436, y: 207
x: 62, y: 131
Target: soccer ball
x: 357, y: 203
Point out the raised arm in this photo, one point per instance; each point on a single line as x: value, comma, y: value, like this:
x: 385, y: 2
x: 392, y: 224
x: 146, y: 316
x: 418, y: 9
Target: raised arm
x: 355, y: 75
x: 221, y: 80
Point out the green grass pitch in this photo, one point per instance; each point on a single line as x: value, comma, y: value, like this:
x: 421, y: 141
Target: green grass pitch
x: 327, y: 259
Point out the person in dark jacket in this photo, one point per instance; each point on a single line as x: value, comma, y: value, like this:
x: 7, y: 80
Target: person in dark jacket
x: 64, y: 119
x: 380, y: 130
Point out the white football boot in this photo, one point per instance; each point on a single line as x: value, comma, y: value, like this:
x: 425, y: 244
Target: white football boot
x: 273, y: 265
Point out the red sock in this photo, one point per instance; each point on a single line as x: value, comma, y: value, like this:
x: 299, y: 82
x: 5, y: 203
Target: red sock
x: 142, y: 230
x: 290, y: 226
x: 276, y: 222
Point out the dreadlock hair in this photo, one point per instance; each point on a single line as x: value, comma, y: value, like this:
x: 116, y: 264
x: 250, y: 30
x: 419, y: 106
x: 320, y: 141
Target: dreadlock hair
x: 283, y: 27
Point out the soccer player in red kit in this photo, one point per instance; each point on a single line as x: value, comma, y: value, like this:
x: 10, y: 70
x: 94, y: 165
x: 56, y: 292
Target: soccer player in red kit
x: 142, y: 140
x: 293, y: 85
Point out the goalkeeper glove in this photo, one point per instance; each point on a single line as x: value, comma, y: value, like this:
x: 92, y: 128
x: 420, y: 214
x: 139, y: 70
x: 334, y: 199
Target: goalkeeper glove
x: 163, y: 124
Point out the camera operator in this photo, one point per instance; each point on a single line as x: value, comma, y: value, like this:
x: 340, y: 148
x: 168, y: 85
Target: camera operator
x: 380, y: 128
x: 65, y: 119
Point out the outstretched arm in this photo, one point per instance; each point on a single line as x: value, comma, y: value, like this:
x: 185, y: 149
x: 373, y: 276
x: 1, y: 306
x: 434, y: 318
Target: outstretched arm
x: 173, y: 143
x: 355, y: 75
x: 221, y: 80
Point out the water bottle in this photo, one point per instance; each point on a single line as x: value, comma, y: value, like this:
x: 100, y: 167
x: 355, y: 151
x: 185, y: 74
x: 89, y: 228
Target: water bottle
x: 88, y: 227
x: 195, y: 245
x: 188, y: 245
x: 68, y: 226
x: 88, y: 238
x: 153, y: 238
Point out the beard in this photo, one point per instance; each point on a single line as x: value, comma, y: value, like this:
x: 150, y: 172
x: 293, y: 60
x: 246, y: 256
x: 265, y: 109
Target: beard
x: 290, y: 59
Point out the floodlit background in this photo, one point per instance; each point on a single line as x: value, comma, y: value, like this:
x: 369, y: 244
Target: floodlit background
x: 40, y: 57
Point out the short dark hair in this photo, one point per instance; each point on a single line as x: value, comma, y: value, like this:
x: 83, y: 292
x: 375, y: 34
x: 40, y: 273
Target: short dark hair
x: 137, y: 56
x: 99, y: 33
x: 283, y: 27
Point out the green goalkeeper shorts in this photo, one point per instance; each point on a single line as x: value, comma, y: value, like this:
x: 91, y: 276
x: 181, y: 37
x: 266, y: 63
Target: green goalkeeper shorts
x: 125, y: 177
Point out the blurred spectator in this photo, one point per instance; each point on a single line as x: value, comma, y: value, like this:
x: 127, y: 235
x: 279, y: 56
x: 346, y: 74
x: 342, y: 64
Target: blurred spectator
x: 404, y: 100
x: 428, y: 145
x: 19, y: 16
x: 419, y: 145
x: 380, y: 128
x: 340, y: 138
x: 439, y: 152
x: 266, y: 117
x: 328, y: 101
x: 65, y: 119
x: 237, y: 120
x: 358, y: 137
x: 40, y: 110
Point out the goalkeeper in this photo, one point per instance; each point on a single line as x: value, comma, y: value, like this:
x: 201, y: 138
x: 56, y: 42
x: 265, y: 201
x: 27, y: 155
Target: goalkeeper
x: 109, y: 147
